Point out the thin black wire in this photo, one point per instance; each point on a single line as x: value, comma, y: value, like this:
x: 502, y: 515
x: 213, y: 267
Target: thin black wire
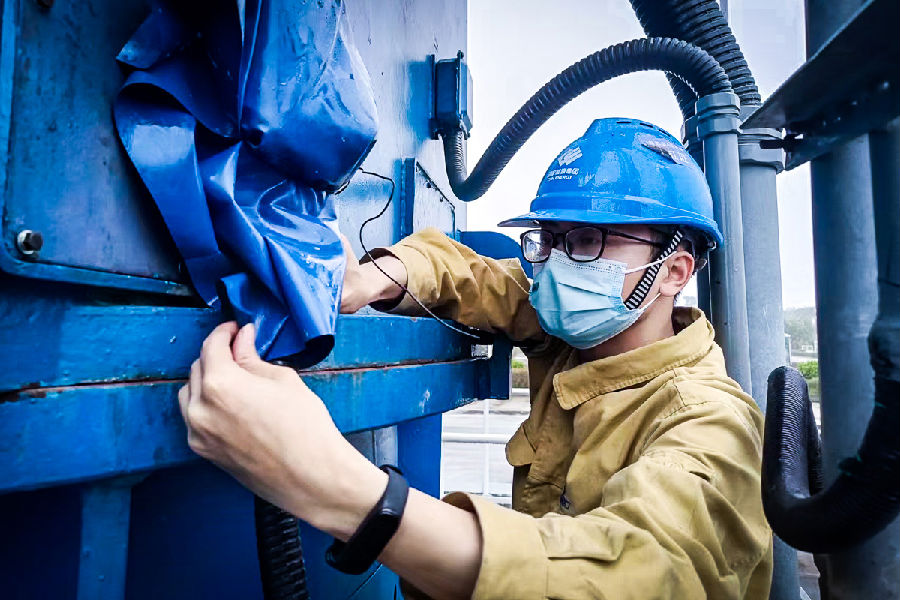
x: 385, y: 273
x: 364, y: 582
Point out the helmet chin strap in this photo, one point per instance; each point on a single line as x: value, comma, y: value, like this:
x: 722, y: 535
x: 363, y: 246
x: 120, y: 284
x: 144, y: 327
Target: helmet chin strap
x: 639, y: 294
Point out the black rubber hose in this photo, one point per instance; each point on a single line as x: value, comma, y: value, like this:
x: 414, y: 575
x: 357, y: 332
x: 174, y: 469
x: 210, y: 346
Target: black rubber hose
x: 653, y: 19
x: 701, y: 23
x: 863, y: 499
x: 700, y: 70
x: 280, y: 553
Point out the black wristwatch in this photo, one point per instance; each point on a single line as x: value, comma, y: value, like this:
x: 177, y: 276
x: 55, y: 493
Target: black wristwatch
x: 357, y: 554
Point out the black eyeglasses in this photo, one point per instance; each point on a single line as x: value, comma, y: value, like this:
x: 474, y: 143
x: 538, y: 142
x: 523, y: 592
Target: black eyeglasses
x: 581, y: 244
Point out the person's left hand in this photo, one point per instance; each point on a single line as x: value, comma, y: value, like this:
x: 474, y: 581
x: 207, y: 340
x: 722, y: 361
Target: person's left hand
x: 261, y: 423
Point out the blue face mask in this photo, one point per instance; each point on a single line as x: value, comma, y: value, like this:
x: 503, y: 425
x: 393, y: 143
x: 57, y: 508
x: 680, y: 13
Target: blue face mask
x: 581, y: 303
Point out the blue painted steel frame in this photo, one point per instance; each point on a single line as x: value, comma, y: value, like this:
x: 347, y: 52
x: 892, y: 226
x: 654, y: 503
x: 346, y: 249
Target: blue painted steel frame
x: 99, y: 494
x: 10, y: 259
x: 71, y: 433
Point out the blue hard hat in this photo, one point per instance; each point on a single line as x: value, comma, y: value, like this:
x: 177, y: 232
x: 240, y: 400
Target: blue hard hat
x: 624, y: 171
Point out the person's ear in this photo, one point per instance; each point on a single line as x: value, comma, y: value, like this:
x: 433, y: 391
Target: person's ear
x: 679, y: 270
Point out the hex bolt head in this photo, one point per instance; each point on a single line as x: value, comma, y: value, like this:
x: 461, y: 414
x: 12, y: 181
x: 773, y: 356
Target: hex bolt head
x: 29, y: 242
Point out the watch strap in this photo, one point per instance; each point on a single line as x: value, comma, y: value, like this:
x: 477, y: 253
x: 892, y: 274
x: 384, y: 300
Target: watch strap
x: 357, y: 554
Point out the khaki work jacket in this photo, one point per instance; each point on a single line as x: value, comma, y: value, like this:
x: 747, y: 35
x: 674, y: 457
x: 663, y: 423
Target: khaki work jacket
x: 636, y: 476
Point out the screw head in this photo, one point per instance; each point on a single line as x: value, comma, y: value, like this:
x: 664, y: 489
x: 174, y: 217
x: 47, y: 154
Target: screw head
x: 29, y: 242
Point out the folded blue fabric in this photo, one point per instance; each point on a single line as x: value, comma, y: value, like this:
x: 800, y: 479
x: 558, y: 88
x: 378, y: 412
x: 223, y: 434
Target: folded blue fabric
x: 242, y: 119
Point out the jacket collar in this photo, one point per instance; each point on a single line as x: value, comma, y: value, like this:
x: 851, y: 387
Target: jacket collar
x: 583, y: 382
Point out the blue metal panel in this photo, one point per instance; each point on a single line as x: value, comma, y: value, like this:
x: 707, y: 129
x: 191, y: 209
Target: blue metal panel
x: 199, y: 511
x: 49, y: 342
x: 419, y: 442
x: 190, y: 535
x: 105, y: 516
x: 53, y: 436
x: 40, y: 547
x: 395, y: 45
x: 423, y: 203
x: 91, y: 208
x: 57, y: 94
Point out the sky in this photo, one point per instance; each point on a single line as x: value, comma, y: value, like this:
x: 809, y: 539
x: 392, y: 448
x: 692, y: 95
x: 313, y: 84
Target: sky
x: 515, y: 46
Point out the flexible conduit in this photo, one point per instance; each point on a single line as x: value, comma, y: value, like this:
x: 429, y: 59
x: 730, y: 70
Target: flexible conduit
x: 699, y: 70
x: 280, y: 554
x: 701, y: 23
x: 863, y: 499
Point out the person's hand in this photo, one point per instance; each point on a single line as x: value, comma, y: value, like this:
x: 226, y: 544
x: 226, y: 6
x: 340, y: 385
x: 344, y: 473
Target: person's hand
x: 261, y: 423
x: 364, y: 284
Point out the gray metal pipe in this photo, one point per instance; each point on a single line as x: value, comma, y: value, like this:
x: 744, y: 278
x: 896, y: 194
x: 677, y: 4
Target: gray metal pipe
x: 846, y: 304
x: 765, y: 312
x: 762, y: 256
x: 694, y: 146
x: 884, y: 337
x: 717, y: 126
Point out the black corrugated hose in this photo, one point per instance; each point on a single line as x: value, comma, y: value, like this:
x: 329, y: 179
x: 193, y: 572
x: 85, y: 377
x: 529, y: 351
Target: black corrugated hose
x: 701, y: 23
x: 697, y: 68
x: 863, y: 499
x: 279, y: 552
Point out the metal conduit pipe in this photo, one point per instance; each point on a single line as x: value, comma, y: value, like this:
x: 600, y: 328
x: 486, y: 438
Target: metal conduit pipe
x: 765, y: 310
x: 717, y: 126
x: 865, y: 496
x: 759, y: 214
x: 846, y: 306
x: 680, y: 58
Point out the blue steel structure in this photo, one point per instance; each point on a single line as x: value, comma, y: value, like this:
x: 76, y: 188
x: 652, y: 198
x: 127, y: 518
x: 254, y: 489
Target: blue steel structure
x: 100, y: 496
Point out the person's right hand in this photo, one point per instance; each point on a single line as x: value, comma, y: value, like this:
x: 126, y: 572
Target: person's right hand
x: 364, y: 284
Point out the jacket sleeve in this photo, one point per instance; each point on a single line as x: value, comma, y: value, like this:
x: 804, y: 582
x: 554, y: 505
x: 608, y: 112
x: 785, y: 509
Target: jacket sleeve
x: 683, y: 521
x: 457, y: 283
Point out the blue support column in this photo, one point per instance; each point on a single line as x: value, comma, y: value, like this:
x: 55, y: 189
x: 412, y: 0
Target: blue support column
x: 105, y: 517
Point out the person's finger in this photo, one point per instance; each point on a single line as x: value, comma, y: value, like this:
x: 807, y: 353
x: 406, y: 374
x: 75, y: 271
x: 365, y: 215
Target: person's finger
x: 196, y: 381
x: 216, y: 350
x: 245, y: 355
x: 184, y: 394
x: 348, y: 250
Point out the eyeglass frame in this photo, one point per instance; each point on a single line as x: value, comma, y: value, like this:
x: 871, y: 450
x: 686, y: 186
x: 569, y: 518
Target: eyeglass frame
x: 604, y: 232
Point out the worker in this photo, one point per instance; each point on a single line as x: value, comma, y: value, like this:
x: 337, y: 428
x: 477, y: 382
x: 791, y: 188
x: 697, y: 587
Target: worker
x: 637, y: 471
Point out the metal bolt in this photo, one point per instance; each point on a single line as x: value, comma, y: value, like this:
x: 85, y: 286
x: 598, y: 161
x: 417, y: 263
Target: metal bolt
x: 29, y: 242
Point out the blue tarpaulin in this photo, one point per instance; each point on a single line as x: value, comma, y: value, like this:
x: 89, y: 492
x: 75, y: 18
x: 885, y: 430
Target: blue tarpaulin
x: 242, y: 118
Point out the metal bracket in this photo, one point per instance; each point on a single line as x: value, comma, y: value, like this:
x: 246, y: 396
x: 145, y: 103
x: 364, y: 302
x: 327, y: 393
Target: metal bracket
x: 848, y: 88
x: 416, y: 182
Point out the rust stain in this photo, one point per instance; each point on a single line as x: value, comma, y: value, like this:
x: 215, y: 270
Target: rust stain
x: 36, y: 391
